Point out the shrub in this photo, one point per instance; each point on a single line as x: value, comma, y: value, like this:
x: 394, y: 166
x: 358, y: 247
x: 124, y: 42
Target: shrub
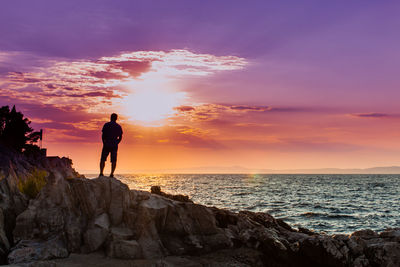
x: 33, y: 184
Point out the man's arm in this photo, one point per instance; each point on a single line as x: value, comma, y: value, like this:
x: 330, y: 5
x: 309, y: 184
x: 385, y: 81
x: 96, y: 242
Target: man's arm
x: 102, y: 135
x: 120, y: 136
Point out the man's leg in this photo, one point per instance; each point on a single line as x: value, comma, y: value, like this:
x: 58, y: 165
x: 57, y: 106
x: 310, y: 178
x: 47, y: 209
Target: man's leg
x: 102, y: 164
x: 104, y: 155
x: 113, y: 166
x: 113, y: 161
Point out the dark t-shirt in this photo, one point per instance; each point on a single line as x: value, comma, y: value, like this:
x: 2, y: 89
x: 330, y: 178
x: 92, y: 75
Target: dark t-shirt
x: 111, y: 132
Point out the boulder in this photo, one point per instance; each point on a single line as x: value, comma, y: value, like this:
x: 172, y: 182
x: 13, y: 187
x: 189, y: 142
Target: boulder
x: 94, y: 238
x: 102, y: 221
x: 120, y: 233
x: 391, y: 233
x: 365, y: 234
x: 36, y: 250
x: 124, y: 249
x: 4, y: 243
x: 74, y: 231
x: 383, y: 253
x: 157, y: 190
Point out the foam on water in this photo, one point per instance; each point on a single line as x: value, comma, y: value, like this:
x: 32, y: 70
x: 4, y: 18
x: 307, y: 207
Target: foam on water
x: 328, y: 203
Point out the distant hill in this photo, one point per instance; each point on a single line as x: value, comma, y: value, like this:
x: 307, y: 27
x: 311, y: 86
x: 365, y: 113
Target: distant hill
x: 374, y: 170
x: 240, y: 169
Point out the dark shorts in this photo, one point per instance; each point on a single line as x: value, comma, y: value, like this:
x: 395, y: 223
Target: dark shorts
x: 109, y: 150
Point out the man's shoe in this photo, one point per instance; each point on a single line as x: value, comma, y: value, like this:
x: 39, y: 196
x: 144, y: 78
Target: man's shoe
x: 100, y: 175
x: 111, y: 175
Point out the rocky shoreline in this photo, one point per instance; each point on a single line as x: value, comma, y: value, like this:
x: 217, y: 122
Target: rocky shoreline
x: 75, y: 221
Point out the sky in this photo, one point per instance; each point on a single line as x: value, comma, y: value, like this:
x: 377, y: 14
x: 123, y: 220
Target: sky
x: 208, y: 84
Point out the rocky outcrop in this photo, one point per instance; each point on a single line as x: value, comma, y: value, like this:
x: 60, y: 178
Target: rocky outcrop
x: 78, y: 216
x: 14, y: 169
x: 155, y: 189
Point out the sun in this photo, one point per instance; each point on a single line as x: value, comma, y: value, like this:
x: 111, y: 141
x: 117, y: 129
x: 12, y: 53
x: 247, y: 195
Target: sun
x: 151, y: 106
x: 152, y: 98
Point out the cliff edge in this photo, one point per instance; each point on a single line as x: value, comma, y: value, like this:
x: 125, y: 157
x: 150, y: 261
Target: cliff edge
x: 74, y: 217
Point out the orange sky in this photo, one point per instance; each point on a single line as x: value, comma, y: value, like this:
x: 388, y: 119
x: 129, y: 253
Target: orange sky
x: 231, y: 140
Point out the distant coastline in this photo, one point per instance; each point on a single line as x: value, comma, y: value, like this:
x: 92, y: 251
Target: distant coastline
x: 243, y: 170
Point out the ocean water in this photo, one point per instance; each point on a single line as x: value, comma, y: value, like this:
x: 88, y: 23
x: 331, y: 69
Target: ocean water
x: 324, y: 203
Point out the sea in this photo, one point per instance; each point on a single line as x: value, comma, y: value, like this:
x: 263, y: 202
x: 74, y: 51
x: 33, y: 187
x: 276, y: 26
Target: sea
x: 331, y: 203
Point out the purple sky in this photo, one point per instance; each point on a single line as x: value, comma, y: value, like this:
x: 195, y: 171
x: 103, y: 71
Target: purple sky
x: 330, y: 63
x: 337, y: 48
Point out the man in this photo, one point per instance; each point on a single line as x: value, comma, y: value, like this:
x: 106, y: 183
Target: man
x: 112, y: 136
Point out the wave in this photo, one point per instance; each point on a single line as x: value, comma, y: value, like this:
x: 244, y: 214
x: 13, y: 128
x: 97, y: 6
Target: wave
x: 327, y: 215
x: 241, y: 194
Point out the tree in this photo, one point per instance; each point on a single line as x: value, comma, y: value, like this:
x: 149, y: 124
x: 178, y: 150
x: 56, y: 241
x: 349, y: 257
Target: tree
x: 15, y: 131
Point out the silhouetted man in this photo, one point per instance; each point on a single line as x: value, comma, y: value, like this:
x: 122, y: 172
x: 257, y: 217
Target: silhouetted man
x: 112, y: 136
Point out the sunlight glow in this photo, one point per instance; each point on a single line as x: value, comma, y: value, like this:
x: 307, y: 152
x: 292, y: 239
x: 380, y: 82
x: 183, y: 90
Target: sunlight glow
x: 152, y: 99
x: 152, y: 105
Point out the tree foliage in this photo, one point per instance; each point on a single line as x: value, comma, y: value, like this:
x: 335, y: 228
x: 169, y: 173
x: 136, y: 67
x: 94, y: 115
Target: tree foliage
x: 15, y: 131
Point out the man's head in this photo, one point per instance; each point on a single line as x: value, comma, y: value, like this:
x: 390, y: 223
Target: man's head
x: 114, y: 117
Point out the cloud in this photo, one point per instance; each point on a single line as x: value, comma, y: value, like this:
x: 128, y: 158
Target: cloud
x: 185, y: 108
x: 180, y: 62
x: 251, y: 108
x: 107, y: 94
x: 133, y: 68
x: 371, y: 115
x: 209, y: 112
x: 104, y: 79
x: 70, y: 97
x: 106, y: 75
x: 73, y: 113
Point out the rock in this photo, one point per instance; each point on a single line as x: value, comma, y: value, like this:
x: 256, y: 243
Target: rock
x: 361, y: 261
x: 178, y: 261
x: 102, y: 221
x: 322, y: 250
x: 392, y: 234
x: 365, y: 234
x: 306, y: 231
x: 25, y: 226
x: 12, y: 201
x: 356, y: 245
x: 74, y: 232
x: 119, y: 233
x: 157, y: 190
x: 242, y: 257
x: 260, y: 217
x: 152, y: 247
x: 119, y: 201
x: 94, y: 238
x: 36, y: 264
x: 224, y: 218
x: 384, y: 254
x: 284, y: 225
x: 4, y: 243
x: 124, y: 249
x: 31, y: 250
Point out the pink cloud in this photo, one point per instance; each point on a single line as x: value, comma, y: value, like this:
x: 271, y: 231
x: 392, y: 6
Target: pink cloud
x: 184, y: 108
x: 371, y: 115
